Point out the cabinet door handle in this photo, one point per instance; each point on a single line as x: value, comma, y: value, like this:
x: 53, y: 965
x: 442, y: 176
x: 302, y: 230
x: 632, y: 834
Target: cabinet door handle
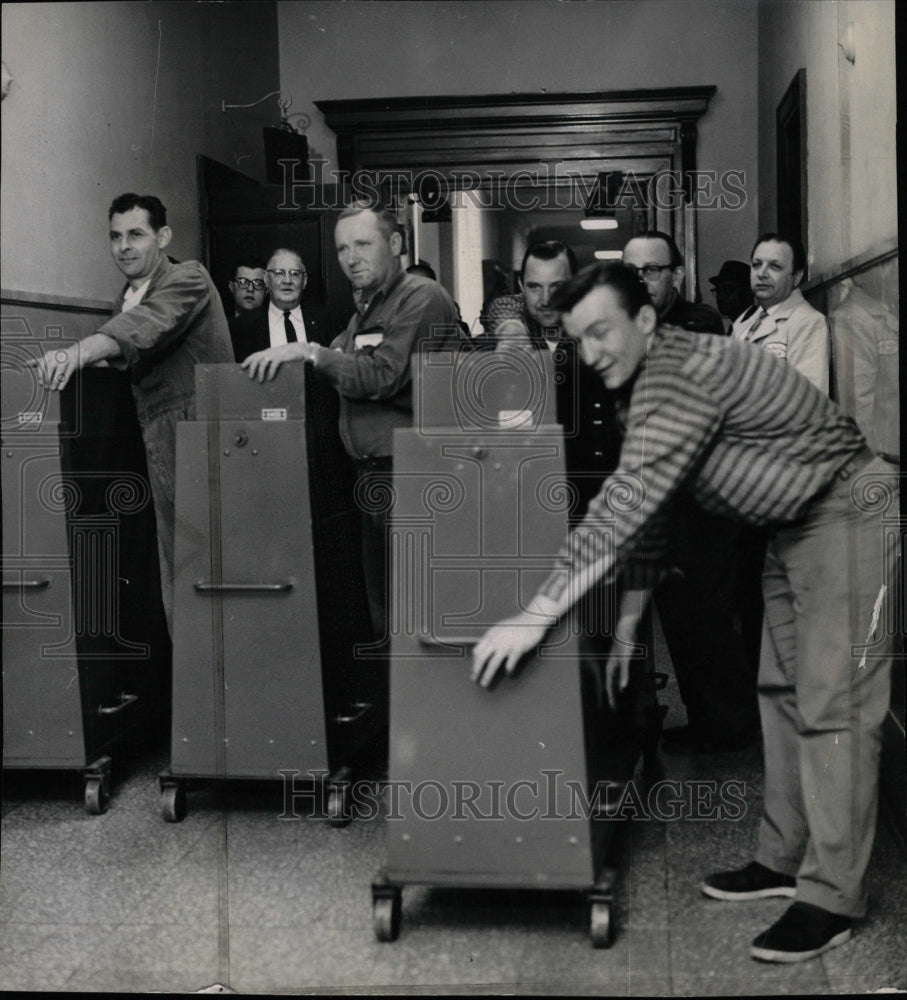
x: 206, y: 587
x: 26, y: 584
x: 354, y: 712
x: 125, y: 699
x: 461, y: 645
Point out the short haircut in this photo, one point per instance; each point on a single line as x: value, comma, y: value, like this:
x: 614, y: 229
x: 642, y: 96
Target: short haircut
x: 632, y: 293
x: 796, y: 246
x: 157, y: 214
x: 251, y: 263
x: 387, y: 221
x: 289, y: 250
x: 676, y: 257
x: 424, y: 268
x: 549, y: 250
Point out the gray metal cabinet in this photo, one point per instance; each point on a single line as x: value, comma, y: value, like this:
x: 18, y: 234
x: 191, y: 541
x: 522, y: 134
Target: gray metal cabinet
x: 259, y: 687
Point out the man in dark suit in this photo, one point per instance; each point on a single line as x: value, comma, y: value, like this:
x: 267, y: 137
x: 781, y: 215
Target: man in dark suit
x: 281, y: 321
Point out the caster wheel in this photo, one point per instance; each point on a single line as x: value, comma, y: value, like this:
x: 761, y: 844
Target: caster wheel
x: 601, y: 929
x: 386, y: 916
x: 173, y: 803
x: 96, y: 796
x: 338, y: 806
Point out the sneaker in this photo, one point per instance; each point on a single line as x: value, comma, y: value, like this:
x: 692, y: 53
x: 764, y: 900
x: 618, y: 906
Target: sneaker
x: 803, y: 932
x: 753, y: 882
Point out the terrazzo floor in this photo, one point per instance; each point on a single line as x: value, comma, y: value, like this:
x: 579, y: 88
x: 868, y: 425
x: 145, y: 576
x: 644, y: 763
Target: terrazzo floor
x: 233, y: 895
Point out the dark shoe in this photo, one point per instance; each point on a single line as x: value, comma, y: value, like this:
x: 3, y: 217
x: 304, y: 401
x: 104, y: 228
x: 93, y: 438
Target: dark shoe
x: 753, y: 882
x: 708, y: 744
x: 803, y: 932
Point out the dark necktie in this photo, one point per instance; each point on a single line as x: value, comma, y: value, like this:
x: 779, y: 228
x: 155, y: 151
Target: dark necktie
x: 289, y: 328
x: 762, y: 314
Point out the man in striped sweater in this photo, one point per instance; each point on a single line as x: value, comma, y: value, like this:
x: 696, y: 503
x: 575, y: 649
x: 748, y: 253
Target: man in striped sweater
x: 748, y: 437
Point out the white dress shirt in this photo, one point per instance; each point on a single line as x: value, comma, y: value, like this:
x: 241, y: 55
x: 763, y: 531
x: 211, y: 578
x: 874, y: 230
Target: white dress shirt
x: 276, y: 328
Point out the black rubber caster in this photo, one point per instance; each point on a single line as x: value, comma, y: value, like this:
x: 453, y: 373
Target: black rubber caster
x: 386, y: 912
x: 338, y: 807
x: 173, y: 803
x: 601, y: 927
x: 96, y: 795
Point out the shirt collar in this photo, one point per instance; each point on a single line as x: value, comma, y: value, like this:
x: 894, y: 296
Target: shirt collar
x: 785, y: 308
x: 275, y: 312
x: 382, y: 293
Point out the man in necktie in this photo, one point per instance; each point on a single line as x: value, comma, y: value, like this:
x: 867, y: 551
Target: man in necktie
x: 781, y: 320
x: 282, y: 323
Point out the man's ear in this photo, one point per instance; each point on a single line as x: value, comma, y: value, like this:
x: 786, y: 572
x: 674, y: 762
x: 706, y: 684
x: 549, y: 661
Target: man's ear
x: 798, y: 277
x: 164, y: 236
x: 647, y: 319
x: 677, y: 275
x: 396, y: 242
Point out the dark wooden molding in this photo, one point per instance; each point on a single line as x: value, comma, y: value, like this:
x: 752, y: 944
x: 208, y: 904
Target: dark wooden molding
x: 511, y: 131
x: 536, y: 139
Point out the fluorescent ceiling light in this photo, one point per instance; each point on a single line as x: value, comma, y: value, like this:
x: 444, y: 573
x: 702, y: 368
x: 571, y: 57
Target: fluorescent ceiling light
x: 608, y: 254
x: 598, y: 223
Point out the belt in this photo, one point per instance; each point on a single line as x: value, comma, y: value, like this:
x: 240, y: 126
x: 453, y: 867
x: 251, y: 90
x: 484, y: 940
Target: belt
x: 856, y: 463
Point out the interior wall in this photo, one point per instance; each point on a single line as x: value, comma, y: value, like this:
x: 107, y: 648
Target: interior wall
x: 851, y: 119
x: 114, y: 97
x: 333, y: 51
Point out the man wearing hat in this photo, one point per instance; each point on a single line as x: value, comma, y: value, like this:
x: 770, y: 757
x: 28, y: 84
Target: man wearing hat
x: 731, y: 288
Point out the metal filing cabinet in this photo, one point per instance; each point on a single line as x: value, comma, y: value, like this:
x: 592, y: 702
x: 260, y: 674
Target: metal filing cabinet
x: 267, y: 611
x: 85, y: 649
x: 478, y: 776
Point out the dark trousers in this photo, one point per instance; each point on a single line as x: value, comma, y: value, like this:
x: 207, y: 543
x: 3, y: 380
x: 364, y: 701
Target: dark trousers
x: 717, y: 682
x: 374, y: 498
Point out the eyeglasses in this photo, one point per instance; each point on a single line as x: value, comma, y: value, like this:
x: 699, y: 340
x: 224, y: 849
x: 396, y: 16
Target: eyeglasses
x: 257, y: 283
x: 280, y: 273
x: 651, y: 271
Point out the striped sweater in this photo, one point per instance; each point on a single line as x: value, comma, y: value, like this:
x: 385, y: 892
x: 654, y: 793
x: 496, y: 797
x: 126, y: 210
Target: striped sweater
x: 741, y: 431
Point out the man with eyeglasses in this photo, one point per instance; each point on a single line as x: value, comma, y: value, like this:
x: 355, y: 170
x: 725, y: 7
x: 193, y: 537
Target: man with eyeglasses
x: 282, y: 323
x: 658, y: 262
x: 716, y: 679
x: 248, y: 287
